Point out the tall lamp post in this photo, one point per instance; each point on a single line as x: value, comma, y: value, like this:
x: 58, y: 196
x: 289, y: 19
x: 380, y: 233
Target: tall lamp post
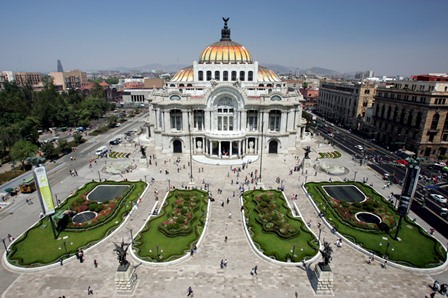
x: 191, y: 140
x: 261, y: 145
x: 4, y: 244
x: 354, y: 178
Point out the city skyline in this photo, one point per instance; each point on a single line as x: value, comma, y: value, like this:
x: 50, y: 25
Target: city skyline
x: 390, y: 38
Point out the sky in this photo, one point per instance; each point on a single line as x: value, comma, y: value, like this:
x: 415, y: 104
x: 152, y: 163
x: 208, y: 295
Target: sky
x: 390, y: 37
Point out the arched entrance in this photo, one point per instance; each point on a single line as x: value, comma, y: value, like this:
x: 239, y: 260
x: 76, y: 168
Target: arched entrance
x: 273, y: 147
x: 177, y: 146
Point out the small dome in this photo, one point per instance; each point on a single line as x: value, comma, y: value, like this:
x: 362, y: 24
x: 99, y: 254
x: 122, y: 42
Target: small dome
x: 267, y: 75
x: 225, y: 51
x: 184, y: 75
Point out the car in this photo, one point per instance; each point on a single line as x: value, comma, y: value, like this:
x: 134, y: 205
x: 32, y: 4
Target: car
x: 440, y: 164
x: 115, y: 141
x: 386, y: 176
x: 359, y: 147
x: 439, y: 198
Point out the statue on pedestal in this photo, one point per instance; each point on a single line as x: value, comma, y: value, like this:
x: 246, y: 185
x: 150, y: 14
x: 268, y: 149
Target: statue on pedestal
x: 326, y: 254
x: 121, y: 251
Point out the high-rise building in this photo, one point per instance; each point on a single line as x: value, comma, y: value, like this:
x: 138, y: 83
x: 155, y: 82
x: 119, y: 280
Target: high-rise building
x: 69, y: 79
x: 225, y: 106
x: 60, y: 69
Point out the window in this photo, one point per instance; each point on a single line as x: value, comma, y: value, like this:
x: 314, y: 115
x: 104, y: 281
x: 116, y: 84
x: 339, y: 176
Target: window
x: 176, y: 119
x: 225, y: 75
x: 252, y: 119
x: 367, y: 91
x: 431, y: 138
x: 435, y: 121
x: 198, y: 120
x: 242, y: 76
x: 209, y: 75
x: 275, y: 120
x: 250, y: 76
x: 217, y: 77
x: 233, y: 75
x: 225, y: 115
x: 200, y: 75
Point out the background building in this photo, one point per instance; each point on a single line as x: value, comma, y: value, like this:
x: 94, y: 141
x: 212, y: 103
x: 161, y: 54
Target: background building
x: 225, y: 106
x: 73, y: 80
x: 346, y: 104
x: 412, y: 114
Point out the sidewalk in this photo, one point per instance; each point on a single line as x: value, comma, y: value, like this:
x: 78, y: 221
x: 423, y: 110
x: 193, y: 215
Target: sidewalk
x: 352, y: 276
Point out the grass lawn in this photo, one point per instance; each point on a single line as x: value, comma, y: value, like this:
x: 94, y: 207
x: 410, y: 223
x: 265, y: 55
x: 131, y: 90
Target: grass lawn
x: 273, y: 228
x: 38, y: 247
x: 176, y: 229
x: 416, y: 247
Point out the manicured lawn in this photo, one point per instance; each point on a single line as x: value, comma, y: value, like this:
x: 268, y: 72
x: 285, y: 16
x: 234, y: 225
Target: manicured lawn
x: 176, y: 229
x: 416, y: 247
x: 273, y: 228
x: 38, y: 247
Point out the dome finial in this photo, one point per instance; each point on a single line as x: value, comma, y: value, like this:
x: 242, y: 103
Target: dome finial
x: 225, y: 32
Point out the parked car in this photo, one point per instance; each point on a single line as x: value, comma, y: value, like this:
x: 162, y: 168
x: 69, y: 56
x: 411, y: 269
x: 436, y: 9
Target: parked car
x: 359, y: 147
x: 115, y: 141
x: 439, y: 198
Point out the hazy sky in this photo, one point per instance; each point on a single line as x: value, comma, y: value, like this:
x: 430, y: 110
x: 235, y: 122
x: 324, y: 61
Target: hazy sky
x: 390, y: 37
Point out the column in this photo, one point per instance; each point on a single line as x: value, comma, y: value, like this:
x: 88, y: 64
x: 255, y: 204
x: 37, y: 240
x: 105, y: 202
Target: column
x: 166, y: 121
x: 230, y: 149
x: 185, y: 121
x: 239, y: 148
x: 283, y: 120
x: 219, y: 149
x: 243, y: 120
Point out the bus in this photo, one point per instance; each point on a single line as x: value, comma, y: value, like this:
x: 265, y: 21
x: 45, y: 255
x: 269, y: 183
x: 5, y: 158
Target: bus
x: 28, y: 185
x: 405, y: 153
x: 102, y: 151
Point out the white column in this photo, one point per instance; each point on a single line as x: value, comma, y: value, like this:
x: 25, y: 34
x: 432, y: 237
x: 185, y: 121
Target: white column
x: 166, y: 120
x: 243, y: 121
x: 283, y: 122
x: 219, y: 148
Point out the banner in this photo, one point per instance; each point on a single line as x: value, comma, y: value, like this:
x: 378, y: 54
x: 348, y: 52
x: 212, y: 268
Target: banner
x: 43, y: 190
x: 408, y: 189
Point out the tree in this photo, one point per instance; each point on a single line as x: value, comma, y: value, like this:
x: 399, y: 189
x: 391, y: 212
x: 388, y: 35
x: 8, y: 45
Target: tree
x: 21, y: 150
x: 48, y: 150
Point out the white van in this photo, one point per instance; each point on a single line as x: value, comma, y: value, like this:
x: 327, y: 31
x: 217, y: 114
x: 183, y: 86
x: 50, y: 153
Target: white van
x: 101, y: 151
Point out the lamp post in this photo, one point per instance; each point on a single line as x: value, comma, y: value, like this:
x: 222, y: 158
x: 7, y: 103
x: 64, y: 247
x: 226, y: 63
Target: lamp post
x: 169, y: 184
x: 65, y: 248
x: 293, y: 249
x: 132, y: 237
x: 319, y: 226
x: 99, y: 175
x: 4, y: 244
x: 191, y: 140
x: 354, y: 178
x: 158, y: 256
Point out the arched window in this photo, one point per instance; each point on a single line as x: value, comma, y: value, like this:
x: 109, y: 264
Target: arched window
x: 250, y: 76
x: 382, y: 111
x: 209, y: 75
x: 435, y: 121
x: 233, y: 75
x: 200, y: 75
x: 410, y: 116
x: 389, y: 110
x: 225, y: 76
x: 217, y: 75
x: 242, y: 76
x: 418, y: 120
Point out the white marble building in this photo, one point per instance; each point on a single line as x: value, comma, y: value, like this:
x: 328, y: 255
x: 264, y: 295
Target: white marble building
x: 225, y: 106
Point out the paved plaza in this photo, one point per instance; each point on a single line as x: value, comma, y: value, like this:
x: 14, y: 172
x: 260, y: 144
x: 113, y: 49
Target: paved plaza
x: 353, y: 277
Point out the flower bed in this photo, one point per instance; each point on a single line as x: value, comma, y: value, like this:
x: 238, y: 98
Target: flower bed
x: 176, y: 229
x: 273, y: 228
x: 376, y: 238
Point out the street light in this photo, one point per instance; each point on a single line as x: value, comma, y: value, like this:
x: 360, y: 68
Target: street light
x: 65, y: 248
x: 169, y: 185
x: 319, y: 226
x: 292, y: 251
x: 158, y: 256
x: 387, y: 249
x: 99, y: 175
x: 354, y: 178
x: 4, y: 244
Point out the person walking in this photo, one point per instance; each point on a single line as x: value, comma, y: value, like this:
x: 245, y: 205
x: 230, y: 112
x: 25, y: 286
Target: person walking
x: 89, y: 291
x: 190, y: 292
x: 230, y: 214
x: 255, y: 269
x: 95, y: 263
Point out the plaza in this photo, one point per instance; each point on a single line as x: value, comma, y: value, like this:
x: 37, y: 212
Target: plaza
x: 353, y: 277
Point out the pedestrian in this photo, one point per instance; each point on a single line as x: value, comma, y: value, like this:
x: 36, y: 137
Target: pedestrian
x: 89, y: 291
x: 222, y: 203
x: 252, y: 271
x: 384, y: 265
x: 230, y: 214
x: 190, y: 292
x: 228, y: 200
x: 222, y: 264
x: 225, y: 263
x: 435, y: 286
x: 95, y: 263
x: 255, y: 269
x: 225, y: 239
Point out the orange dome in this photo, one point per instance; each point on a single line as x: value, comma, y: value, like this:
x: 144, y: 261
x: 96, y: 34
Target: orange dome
x: 225, y: 50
